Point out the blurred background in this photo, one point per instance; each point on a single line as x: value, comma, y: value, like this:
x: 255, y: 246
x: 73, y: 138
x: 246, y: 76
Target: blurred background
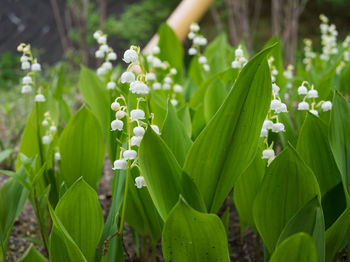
x: 62, y: 29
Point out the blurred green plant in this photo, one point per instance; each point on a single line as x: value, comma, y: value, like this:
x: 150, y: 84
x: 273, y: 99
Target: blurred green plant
x: 8, y: 70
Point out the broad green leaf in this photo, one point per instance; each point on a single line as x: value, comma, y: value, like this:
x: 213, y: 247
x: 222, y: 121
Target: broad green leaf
x: 29, y: 145
x: 13, y: 196
x: 219, y: 54
x: 245, y: 190
x: 191, y: 236
x: 339, y: 136
x: 213, y: 98
x: 5, y: 154
x: 62, y: 247
x: 324, y: 85
x: 315, y: 150
x: 140, y: 212
x: 185, y: 117
x: 32, y: 255
x: 171, y: 49
x: 96, y: 96
x: 336, y: 234
x: 287, y: 186
x: 309, y: 219
x: 290, y: 135
x: 174, y: 135
x: 297, y: 248
x: 81, y: 215
x: 82, y: 149
x: 164, y: 179
x: 114, y: 250
x: 158, y: 105
x: 224, y: 149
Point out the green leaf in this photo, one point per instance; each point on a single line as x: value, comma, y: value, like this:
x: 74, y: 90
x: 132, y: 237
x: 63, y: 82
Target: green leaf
x: 213, y: 98
x: 224, y: 149
x: 171, y: 49
x: 290, y: 135
x: 62, y: 247
x: 315, y: 150
x: 174, y: 135
x: 81, y: 215
x: 189, y: 235
x: 29, y: 145
x: 13, y: 196
x: 185, y: 117
x: 110, y: 227
x: 219, y: 54
x: 164, y: 179
x: 324, y: 85
x: 297, y: 248
x: 309, y: 219
x: 287, y: 186
x: 96, y: 96
x: 336, y: 234
x: 32, y: 255
x: 82, y: 149
x: 339, y: 136
x: 246, y: 188
x: 140, y: 212
x: 5, y: 154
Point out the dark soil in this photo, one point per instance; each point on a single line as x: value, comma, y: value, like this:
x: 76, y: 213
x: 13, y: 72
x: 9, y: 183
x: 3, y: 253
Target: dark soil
x: 25, y: 230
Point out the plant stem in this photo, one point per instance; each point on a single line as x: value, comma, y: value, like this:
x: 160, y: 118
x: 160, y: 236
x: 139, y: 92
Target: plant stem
x: 37, y: 213
x: 124, y: 203
x: 154, y: 252
x: 3, y: 249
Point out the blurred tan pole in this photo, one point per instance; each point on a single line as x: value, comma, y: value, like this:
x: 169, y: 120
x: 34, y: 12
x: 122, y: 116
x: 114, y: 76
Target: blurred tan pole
x: 187, y: 12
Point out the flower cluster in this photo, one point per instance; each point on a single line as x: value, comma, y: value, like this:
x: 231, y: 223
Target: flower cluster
x: 309, y: 54
x: 51, y: 128
x: 346, y: 46
x: 168, y: 81
x: 328, y: 38
x: 240, y: 60
x: 197, y: 41
x: 127, y: 119
x: 31, y: 65
x: 273, y: 69
x: 108, y: 54
x: 311, y: 94
x: 272, y: 123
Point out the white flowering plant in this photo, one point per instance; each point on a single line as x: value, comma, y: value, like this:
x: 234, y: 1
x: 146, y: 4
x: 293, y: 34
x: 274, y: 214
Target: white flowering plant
x: 179, y: 139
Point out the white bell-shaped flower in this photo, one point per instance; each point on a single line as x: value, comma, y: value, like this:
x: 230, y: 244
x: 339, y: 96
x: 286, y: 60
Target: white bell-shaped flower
x: 264, y: 132
x: 57, y: 156
x: 194, y: 27
x: 127, y: 77
x: 107, y: 65
x: 53, y: 128
x: 178, y: 88
x: 202, y: 60
x: 302, y: 90
x: 238, y: 52
x: 111, y: 85
x: 120, y: 164
x: 278, y: 127
x: 120, y: 114
x: 173, y: 71
x: 117, y: 125
x: 26, y: 89
x: 102, y: 39
x: 139, y: 131
x: 27, y: 80
x: 155, y: 129
x: 312, y: 93
x: 156, y: 86
x: 139, y: 88
x: 150, y: 77
x: 115, y: 106
x: 275, y: 88
x: 46, y: 140
x: 104, y: 48
x: 129, y: 154
x: 156, y: 50
x: 40, y: 98
x: 36, y: 67
x: 99, y: 54
x: 206, y: 67
x: 192, y: 51
x: 268, y: 153
x: 303, y: 106
x: 281, y: 109
x: 140, y: 182
x: 275, y: 104
x: 130, y: 56
x: 174, y: 102
x: 137, y: 114
x: 135, y: 140
x: 326, y: 106
x: 25, y: 65
x: 268, y: 124
x: 112, y: 56
x: 236, y: 64
x: 314, y: 112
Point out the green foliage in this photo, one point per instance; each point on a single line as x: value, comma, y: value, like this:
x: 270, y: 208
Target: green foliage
x: 189, y: 235
x: 82, y: 134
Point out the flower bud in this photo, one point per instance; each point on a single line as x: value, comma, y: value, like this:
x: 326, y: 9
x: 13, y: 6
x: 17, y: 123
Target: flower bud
x: 111, y: 85
x: 115, y: 106
x: 140, y: 182
x: 120, y: 164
